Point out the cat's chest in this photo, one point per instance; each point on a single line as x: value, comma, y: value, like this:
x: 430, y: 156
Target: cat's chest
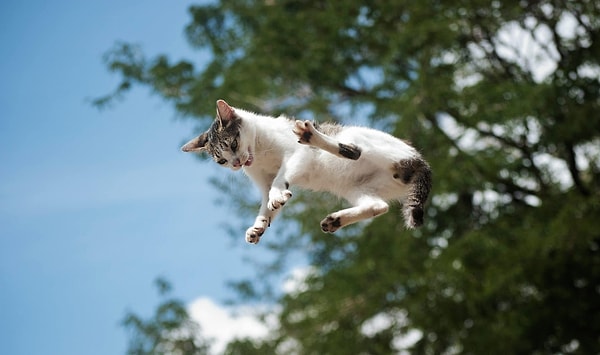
x: 265, y: 163
x: 270, y: 154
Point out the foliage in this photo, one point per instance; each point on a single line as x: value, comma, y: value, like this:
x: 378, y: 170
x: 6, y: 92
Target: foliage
x: 169, y: 331
x: 502, y: 98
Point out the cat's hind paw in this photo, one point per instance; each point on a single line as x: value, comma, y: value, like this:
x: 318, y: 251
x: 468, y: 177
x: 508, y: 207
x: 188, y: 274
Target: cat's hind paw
x: 275, y: 202
x: 304, y: 130
x: 330, y: 224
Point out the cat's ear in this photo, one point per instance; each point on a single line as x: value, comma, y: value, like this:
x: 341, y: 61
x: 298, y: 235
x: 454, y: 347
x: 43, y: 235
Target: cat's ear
x: 225, y: 113
x: 197, y: 144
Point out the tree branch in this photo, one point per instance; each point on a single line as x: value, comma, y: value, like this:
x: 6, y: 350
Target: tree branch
x: 572, y: 164
x: 508, y: 184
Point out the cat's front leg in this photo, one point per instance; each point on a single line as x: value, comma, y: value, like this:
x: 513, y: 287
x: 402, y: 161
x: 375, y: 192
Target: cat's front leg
x: 275, y: 194
x: 262, y: 221
x: 265, y: 215
x: 271, y: 203
x: 278, y: 192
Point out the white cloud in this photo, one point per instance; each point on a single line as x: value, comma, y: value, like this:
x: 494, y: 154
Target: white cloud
x: 223, y: 324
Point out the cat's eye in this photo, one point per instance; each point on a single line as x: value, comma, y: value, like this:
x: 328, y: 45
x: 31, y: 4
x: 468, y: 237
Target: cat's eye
x: 234, y: 145
x: 221, y: 161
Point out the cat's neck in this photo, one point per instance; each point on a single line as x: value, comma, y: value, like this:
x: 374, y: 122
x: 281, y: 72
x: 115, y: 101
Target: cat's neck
x: 269, y: 132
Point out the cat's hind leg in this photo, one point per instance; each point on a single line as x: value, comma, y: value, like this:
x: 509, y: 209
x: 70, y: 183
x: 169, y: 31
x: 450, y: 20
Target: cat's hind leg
x: 309, y: 135
x: 366, y: 207
x: 263, y: 220
x: 272, y: 201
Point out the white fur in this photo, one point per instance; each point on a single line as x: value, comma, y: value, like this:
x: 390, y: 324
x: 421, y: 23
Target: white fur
x: 278, y: 158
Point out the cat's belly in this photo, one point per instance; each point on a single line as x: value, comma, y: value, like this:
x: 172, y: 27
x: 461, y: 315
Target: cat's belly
x: 350, y: 180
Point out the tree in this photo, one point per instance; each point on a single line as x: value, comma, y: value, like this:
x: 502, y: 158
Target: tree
x: 170, y: 331
x: 502, y: 98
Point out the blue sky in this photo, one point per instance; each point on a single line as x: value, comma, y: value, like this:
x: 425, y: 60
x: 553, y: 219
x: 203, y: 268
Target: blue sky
x: 94, y: 205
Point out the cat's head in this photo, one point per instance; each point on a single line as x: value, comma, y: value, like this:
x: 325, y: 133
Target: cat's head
x: 225, y: 140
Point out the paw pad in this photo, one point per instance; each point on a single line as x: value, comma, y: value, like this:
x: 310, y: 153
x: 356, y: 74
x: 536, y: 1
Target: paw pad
x: 304, y: 131
x: 330, y: 224
x: 253, y: 234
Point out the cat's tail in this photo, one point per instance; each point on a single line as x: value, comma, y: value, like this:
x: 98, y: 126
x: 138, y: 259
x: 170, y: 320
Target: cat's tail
x: 417, y: 173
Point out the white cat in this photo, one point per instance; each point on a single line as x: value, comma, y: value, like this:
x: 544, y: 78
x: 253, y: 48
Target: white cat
x: 368, y: 168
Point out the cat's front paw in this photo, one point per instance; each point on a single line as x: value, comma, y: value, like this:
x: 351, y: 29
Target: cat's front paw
x: 331, y: 223
x: 304, y: 130
x: 254, y: 233
x: 278, y: 199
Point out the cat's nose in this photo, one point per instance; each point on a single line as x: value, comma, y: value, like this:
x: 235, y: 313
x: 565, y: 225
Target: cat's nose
x: 237, y: 163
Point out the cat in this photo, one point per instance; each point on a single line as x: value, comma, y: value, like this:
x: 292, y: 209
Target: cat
x: 366, y: 167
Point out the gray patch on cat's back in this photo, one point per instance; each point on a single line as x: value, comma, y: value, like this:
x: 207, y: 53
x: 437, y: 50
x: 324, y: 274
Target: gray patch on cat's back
x: 349, y: 151
x: 404, y: 175
x: 405, y: 169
